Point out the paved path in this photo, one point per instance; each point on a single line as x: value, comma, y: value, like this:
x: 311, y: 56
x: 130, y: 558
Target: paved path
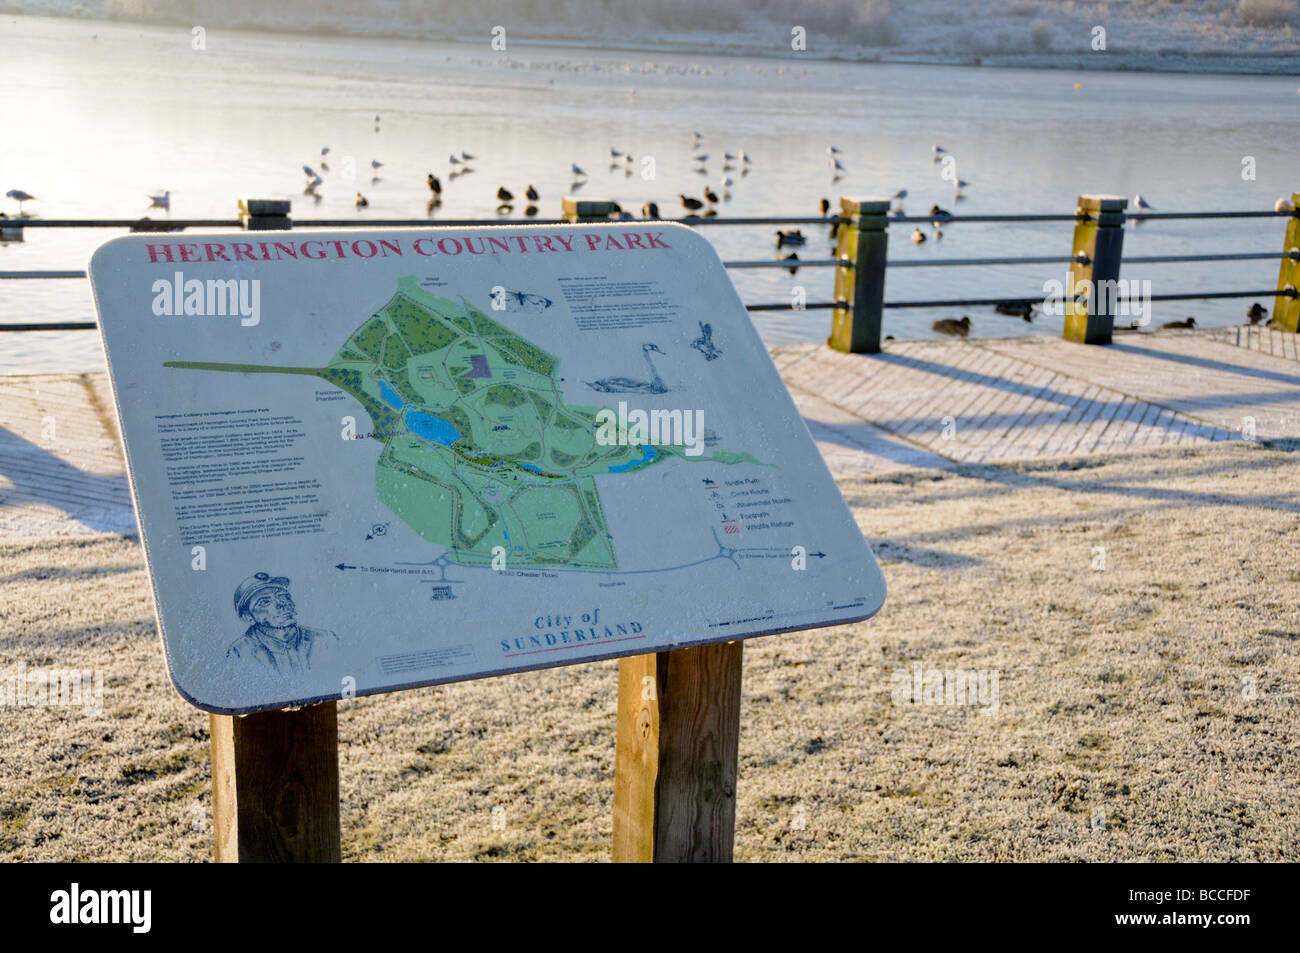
x: 920, y: 404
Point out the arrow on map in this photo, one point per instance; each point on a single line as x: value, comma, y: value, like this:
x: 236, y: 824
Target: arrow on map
x: 342, y: 566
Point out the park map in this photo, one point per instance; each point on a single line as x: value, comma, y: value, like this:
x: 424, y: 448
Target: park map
x: 480, y: 452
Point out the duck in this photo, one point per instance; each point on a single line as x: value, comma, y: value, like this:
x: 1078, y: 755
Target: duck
x: 825, y: 206
x: 504, y: 194
x: 361, y: 201
x: 650, y: 210
x: 531, y: 194
x: 959, y: 328
x: 794, y: 257
x: 531, y: 211
x: 1174, y: 325
x: 938, y: 214
x: 435, y: 186
x: 710, y: 196
x: 1257, y: 313
x: 1021, y: 309
x: 691, y: 203
x: 794, y: 237
x: 918, y: 236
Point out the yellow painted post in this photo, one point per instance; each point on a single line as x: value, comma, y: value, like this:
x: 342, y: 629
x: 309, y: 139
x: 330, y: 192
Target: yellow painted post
x: 860, y: 277
x: 587, y: 210
x: 1286, y: 310
x: 1098, y: 246
x: 257, y: 215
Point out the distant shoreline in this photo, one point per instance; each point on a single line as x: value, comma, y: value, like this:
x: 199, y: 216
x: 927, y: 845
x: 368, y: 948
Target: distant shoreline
x: 1166, y: 60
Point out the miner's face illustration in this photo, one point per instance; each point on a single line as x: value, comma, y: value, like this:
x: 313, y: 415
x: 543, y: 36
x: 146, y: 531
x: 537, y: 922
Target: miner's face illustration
x: 273, y: 607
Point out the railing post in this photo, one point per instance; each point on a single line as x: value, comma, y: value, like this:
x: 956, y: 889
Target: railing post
x: 1286, y: 310
x: 584, y: 210
x: 860, y: 276
x: 257, y: 215
x: 1098, y: 246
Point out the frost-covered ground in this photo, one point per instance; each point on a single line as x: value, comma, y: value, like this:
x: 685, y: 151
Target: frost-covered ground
x: 1199, y: 35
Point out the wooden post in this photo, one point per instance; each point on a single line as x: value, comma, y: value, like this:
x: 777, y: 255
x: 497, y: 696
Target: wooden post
x: 860, y: 277
x: 676, y: 758
x: 1098, y: 246
x: 1286, y: 310
x: 583, y: 210
x: 257, y: 215
x: 275, y: 786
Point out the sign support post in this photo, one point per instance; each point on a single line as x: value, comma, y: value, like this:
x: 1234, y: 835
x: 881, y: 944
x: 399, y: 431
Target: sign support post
x: 275, y: 786
x: 676, y: 761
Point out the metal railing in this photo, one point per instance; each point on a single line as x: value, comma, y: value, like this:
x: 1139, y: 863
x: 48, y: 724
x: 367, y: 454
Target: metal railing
x: 860, y: 262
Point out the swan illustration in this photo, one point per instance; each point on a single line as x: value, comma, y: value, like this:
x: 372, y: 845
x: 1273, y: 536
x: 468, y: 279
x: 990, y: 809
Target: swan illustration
x: 628, y: 385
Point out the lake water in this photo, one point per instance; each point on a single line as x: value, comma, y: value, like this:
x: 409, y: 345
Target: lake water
x: 98, y: 115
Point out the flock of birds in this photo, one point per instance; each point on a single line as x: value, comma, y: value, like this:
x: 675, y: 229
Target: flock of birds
x: 705, y: 205
x: 961, y: 327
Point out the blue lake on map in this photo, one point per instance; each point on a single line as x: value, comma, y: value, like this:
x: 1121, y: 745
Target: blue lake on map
x: 431, y: 428
x: 648, y: 453
x: 390, y: 395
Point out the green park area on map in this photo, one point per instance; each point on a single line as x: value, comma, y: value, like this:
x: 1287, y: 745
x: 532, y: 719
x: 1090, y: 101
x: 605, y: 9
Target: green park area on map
x: 479, y: 448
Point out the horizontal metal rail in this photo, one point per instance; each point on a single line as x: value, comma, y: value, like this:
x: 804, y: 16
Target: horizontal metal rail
x: 1038, y: 299
x: 161, y: 225
x: 790, y: 263
x: 42, y: 274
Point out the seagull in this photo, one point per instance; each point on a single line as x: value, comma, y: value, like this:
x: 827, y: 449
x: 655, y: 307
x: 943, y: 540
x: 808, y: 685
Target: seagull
x: 960, y: 184
x: 900, y: 194
x: 160, y: 201
x: 324, y: 151
x: 309, y: 172
x: 532, y: 194
x: 837, y: 165
x: 729, y: 157
x: 577, y: 170
x: 434, y: 185
x: 504, y: 194
x: 466, y: 156
x: 744, y: 157
x: 939, y: 150
x: 726, y: 181
x: 19, y: 196
x: 375, y: 164
x: 614, y: 153
x: 316, y: 182
x: 1140, y: 202
x: 453, y: 160
x: 833, y: 150
x: 1282, y: 205
x: 361, y: 201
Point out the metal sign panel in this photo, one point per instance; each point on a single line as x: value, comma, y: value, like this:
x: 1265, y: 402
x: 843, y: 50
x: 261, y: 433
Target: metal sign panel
x: 368, y: 461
